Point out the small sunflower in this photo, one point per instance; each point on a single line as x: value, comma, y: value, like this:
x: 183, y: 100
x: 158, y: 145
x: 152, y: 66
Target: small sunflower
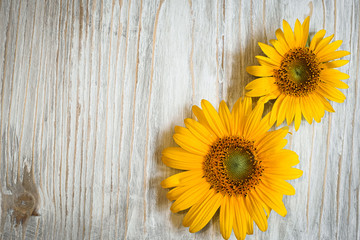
x: 300, y: 76
x: 232, y: 162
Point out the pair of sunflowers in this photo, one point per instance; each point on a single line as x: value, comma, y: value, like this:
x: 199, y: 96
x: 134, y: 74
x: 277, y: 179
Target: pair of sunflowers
x: 232, y: 160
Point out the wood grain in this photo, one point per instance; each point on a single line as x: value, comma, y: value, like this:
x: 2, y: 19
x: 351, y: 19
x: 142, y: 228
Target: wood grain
x: 91, y: 91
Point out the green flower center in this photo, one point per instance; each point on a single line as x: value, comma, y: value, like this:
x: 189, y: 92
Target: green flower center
x: 299, y: 72
x: 238, y: 165
x: 231, y: 166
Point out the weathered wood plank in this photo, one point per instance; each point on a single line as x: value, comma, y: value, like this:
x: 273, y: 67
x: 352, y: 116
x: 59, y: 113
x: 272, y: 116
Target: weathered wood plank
x: 91, y: 91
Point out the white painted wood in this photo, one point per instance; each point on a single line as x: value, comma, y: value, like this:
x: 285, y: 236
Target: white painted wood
x: 91, y: 91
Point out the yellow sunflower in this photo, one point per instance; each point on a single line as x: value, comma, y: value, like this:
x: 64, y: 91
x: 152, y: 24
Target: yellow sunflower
x: 232, y: 162
x: 300, y: 76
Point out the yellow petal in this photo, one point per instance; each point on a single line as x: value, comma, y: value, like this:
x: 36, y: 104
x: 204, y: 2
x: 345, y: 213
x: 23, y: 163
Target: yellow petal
x: 330, y: 48
x: 298, y: 31
x: 179, y: 158
x: 200, y: 131
x: 226, y: 216
x: 241, y: 111
x: 326, y: 103
x: 279, y: 185
x: 280, y: 159
x: 271, y: 53
x: 306, y: 111
x: 199, y: 114
x: 190, y: 197
x: 182, y: 178
x: 213, y: 119
x: 290, y: 112
x: 336, y: 63
x: 283, y: 173
x: 280, y: 48
x: 265, y: 61
x: 275, y: 109
x: 253, y: 121
x: 176, y: 192
x: 271, y: 199
x: 282, y: 110
x: 194, y: 210
x: 282, y: 41
x: 305, y: 27
x: 272, y: 95
x: 317, y: 108
x: 256, y: 211
x: 261, y: 86
x: 273, y: 140
x: 334, y: 55
x: 331, y: 93
x: 289, y: 35
x: 322, y: 44
x: 297, y: 113
x: 206, y: 212
x: 316, y: 39
x: 240, y: 218
x: 261, y: 129
x: 226, y: 117
x: 188, y: 142
x: 260, y: 71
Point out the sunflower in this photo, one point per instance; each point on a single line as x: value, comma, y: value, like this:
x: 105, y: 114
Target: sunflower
x: 300, y: 76
x: 232, y: 162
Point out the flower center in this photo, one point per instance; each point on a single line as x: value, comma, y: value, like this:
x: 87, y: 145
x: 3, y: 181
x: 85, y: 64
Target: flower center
x: 238, y: 164
x: 299, y: 72
x: 231, y: 166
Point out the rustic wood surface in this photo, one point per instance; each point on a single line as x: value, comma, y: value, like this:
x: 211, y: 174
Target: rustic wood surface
x: 91, y: 91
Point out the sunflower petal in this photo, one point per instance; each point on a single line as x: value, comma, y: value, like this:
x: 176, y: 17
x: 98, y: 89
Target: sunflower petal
x: 271, y: 53
x: 213, y: 119
x: 336, y: 63
x: 254, y: 119
x: 331, y: 93
x: 176, y: 157
x: 279, y: 185
x: 240, y: 218
x: 283, y: 45
x: 280, y: 48
x: 283, y: 173
x: 190, y: 143
x: 305, y: 35
x: 182, y: 178
x: 269, y: 197
x: 226, y: 216
x: 298, y: 31
x: 275, y: 109
x: 316, y: 39
x: 261, y: 86
x: 206, y: 212
x: 190, y: 197
x: 323, y: 43
x: 200, y: 131
x: 330, y: 48
x: 265, y: 61
x: 256, y: 211
x: 334, y: 55
x: 297, y: 114
x: 289, y: 35
x: 260, y: 71
x: 226, y: 117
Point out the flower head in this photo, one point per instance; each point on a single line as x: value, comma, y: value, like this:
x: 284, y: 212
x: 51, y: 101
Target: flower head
x: 232, y: 162
x: 300, y: 76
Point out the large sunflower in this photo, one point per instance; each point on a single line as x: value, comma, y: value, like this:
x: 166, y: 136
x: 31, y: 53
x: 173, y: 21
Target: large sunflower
x: 300, y: 76
x: 232, y: 162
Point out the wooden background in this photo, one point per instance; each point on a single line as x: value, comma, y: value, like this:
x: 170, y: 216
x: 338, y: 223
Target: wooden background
x: 91, y: 91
